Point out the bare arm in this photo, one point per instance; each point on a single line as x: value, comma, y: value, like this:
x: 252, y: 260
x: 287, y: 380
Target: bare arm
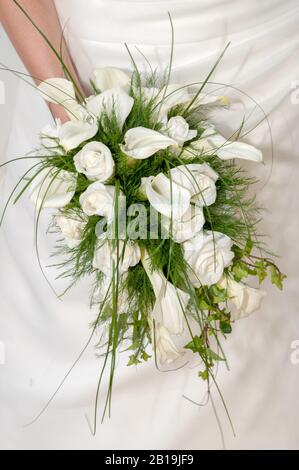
x: 36, y: 55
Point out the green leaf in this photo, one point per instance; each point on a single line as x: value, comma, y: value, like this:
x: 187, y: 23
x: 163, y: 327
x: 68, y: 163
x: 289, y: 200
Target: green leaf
x: 219, y: 295
x: 261, y: 270
x: 145, y: 356
x: 249, y: 246
x: 225, y: 327
x: 203, y: 305
x: 240, y: 271
x: 196, y: 345
x: 133, y: 361
x: 212, y: 355
x: 204, y: 375
x: 277, y: 277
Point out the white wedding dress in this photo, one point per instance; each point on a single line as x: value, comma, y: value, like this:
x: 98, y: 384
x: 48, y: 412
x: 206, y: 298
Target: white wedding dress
x: 42, y: 336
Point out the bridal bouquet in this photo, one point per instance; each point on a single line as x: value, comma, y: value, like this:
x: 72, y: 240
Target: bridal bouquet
x: 149, y: 203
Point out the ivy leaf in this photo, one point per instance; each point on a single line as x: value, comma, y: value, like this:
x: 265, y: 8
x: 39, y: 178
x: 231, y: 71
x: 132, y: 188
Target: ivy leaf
x: 240, y: 271
x: 238, y: 252
x: 261, y: 270
x: 204, y: 375
x: 212, y: 355
x: 133, y: 361
x: 277, y: 277
x: 248, y: 247
x: 196, y: 345
x: 219, y: 295
x: 203, y: 305
x: 225, y: 327
x: 145, y: 356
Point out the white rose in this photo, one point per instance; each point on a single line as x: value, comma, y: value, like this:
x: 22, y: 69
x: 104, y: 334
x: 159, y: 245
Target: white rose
x: 95, y: 161
x: 246, y: 299
x: 99, y: 199
x: 199, y: 180
x: 208, y: 254
x: 72, y: 228
x: 178, y: 129
x: 141, y: 143
x: 52, y: 188
x: 187, y: 227
x: 105, y: 256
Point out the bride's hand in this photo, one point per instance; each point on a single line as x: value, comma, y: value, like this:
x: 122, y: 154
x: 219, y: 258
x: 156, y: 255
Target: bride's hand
x: 34, y: 51
x: 58, y: 112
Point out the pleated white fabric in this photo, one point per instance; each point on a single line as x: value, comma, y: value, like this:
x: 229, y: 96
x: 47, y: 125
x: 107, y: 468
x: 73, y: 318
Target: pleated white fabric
x: 42, y: 336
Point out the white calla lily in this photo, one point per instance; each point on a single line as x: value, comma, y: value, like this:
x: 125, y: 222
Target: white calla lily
x: 214, y: 143
x: 74, y: 133
x: 246, y: 299
x: 171, y: 303
x: 61, y: 91
x: 99, y: 199
x: 167, y: 197
x: 52, y: 188
x: 199, y: 180
x: 58, y: 90
x: 165, y: 99
x: 111, y: 77
x: 208, y: 254
x: 106, y: 254
x: 141, y: 143
x: 207, y: 99
x: 50, y: 135
x: 166, y: 350
x: 111, y: 102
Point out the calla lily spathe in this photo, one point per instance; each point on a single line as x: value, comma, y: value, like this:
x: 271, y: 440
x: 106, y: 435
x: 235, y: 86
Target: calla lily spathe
x: 171, y: 196
x: 141, y: 143
x: 167, y: 197
x: 212, y: 142
x: 171, y: 303
x: 61, y: 91
x: 207, y: 99
x: 199, y: 180
x: 111, y: 77
x: 246, y: 299
x: 52, y: 188
x: 166, y: 350
x: 74, y: 133
x: 58, y: 90
x: 165, y: 99
x: 111, y: 102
